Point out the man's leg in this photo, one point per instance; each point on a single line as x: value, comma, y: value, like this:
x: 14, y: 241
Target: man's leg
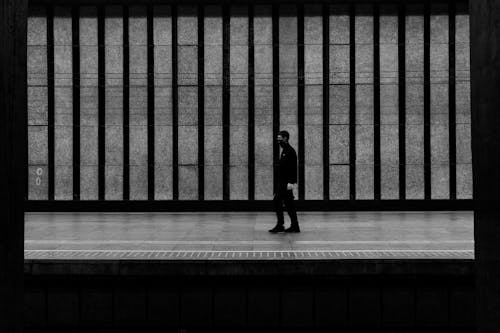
x: 290, y: 207
x: 278, y: 207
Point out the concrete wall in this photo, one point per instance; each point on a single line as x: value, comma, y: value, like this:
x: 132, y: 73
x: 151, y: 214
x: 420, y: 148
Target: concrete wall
x: 188, y: 86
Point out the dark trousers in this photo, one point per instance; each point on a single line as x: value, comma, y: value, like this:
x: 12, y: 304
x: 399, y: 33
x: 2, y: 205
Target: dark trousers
x: 286, y: 196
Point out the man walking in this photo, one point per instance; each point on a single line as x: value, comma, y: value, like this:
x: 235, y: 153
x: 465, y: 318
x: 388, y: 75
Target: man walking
x: 287, y: 178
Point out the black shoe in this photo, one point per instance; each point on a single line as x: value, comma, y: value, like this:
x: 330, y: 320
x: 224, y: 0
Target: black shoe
x: 277, y: 228
x: 293, y: 229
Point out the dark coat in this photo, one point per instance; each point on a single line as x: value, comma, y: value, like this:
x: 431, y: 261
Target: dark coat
x: 287, y: 167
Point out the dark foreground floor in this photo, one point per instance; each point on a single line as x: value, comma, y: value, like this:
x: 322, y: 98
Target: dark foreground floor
x: 243, y: 236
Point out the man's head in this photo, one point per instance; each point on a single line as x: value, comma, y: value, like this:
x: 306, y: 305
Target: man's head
x: 283, y: 137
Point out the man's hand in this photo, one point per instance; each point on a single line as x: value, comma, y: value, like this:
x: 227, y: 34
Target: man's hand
x: 289, y: 186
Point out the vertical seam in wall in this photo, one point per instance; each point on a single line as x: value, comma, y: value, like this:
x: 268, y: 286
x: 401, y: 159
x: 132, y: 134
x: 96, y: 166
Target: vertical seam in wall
x: 276, y: 92
x: 402, y: 99
x: 225, y: 101
x: 427, y: 103
x: 452, y: 122
x: 101, y: 101
x: 201, y: 103
x: 352, y: 103
x: 50, y: 100
x: 175, y: 109
x: 300, y: 99
x: 126, y: 105
x: 151, y: 105
x: 376, y: 102
x: 76, y: 100
x: 251, y: 105
x: 326, y: 101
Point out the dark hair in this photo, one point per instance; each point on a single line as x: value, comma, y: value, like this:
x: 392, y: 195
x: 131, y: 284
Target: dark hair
x: 284, y: 134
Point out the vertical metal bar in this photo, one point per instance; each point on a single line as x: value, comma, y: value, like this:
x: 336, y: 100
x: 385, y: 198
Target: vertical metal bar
x: 352, y: 103
x: 452, y: 101
x: 126, y: 106
x: 300, y: 99
x: 175, y: 108
x: 251, y: 105
x: 326, y: 101
x: 75, y: 26
x: 402, y: 99
x: 225, y: 100
x: 151, y: 105
x: 201, y: 103
x: 376, y: 101
x: 50, y: 100
x: 427, y: 103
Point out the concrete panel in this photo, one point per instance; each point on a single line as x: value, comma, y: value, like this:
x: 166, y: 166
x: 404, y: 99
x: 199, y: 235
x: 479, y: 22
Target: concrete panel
x: 138, y: 140
x: 363, y: 24
x: 388, y: 25
x: 389, y: 63
x: 37, y: 182
x: 213, y: 25
x: 137, y: 25
x: 263, y: 33
x: 187, y: 65
x: 138, y: 182
x: 114, y: 145
x: 37, y: 26
x: 163, y: 106
x: 88, y: 182
x: 238, y: 105
x: 414, y: 181
x: 389, y: 104
x: 88, y: 25
x: 288, y: 104
x: 37, y: 65
x: 63, y: 108
x: 263, y: 182
x: 263, y: 64
x: 288, y: 63
x: 339, y: 144
x: 213, y: 182
x: 313, y: 24
x: 339, y: 104
x: 213, y: 105
x: 364, y: 181
x: 389, y: 181
x: 113, y: 179
x: 63, y: 65
x: 138, y: 65
x: 414, y: 28
x: 163, y: 145
x: 187, y: 25
x: 288, y: 24
x: 238, y: 147
x: 63, y: 145
x: 313, y: 64
x: 113, y: 26
x: 440, y: 144
x: 313, y: 145
x: 263, y: 105
x: 339, y: 64
x: 188, y: 105
x: 439, y: 29
x: 62, y: 25
x: 339, y: 182
x: 439, y: 63
x: 389, y: 144
x: 415, y: 144
x: 440, y: 181
x: 364, y: 144
x: 414, y: 59
x: 162, y: 25
x: 414, y: 104
x: 364, y: 63
x: 114, y: 106
x: 264, y: 145
x: 463, y: 144
x: 162, y: 65
x: 88, y: 145
x: 188, y: 145
x: 88, y: 106
x: 188, y: 182
x: 88, y: 66
x: 63, y: 182
x: 163, y: 182
x: 463, y: 102
x: 213, y: 65
x: 213, y: 145
x: 238, y: 182
x: 464, y: 181
x: 37, y: 105
x: 238, y: 25
x: 114, y: 65
x: 37, y: 145
x: 364, y: 104
x: 339, y: 24
x: 313, y: 105
x: 238, y: 65
x: 313, y: 182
